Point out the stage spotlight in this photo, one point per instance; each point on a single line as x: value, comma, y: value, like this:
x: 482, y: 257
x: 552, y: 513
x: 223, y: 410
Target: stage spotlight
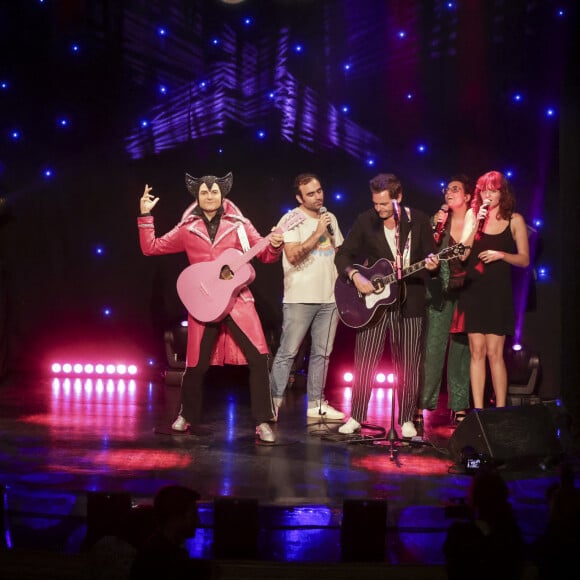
x: 543, y: 273
x: 175, y: 340
x: 524, y: 373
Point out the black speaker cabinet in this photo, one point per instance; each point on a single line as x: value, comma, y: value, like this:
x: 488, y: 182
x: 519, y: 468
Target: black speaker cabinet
x: 235, y: 528
x: 508, y: 434
x: 105, y: 512
x: 363, y: 530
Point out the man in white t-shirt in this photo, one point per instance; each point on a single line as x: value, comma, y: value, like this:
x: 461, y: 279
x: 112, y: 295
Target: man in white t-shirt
x: 308, y: 304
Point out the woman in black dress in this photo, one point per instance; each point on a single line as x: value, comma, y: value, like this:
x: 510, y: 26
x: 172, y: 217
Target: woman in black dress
x: 498, y: 238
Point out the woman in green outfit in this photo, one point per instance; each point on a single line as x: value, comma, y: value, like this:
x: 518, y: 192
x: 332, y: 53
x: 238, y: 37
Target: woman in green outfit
x: 442, y: 294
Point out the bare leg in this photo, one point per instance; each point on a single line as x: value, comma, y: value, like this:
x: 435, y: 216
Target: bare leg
x: 477, y: 347
x: 494, y: 346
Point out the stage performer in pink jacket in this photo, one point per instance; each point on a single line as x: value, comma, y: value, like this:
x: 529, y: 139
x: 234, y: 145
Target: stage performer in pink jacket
x: 209, y: 227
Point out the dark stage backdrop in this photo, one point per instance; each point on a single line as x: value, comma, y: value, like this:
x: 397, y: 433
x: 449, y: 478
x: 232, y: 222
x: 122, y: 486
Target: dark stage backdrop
x: 265, y: 89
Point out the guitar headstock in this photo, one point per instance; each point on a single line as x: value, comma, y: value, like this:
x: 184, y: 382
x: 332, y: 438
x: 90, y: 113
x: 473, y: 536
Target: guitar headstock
x: 293, y: 219
x: 453, y: 252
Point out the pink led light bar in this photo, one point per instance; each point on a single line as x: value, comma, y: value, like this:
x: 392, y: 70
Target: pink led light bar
x: 93, y: 369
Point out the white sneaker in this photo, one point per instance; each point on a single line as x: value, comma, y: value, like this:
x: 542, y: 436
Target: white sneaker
x: 265, y: 433
x: 408, y: 429
x: 350, y: 427
x: 180, y: 424
x: 325, y: 410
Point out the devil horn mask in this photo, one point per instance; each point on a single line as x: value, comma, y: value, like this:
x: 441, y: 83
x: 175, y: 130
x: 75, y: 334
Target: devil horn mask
x: 194, y: 183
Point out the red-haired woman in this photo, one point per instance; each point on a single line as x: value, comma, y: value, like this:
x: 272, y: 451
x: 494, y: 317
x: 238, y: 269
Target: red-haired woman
x: 499, y: 239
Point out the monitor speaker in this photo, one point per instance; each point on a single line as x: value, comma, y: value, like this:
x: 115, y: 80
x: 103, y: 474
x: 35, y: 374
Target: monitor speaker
x: 235, y: 528
x: 507, y: 434
x: 363, y: 530
x: 105, y: 513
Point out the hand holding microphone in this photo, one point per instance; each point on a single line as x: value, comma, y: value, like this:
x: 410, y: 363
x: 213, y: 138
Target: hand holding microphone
x: 482, y: 214
x: 440, y: 221
x: 329, y: 227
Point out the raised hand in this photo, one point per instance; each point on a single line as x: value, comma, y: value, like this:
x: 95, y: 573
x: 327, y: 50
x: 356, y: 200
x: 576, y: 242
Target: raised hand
x: 147, y: 201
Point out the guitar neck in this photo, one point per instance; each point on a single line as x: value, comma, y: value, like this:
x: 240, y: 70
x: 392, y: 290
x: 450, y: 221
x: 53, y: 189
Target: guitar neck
x: 414, y: 268
x: 294, y: 219
x: 392, y: 277
x: 446, y: 254
x: 251, y: 253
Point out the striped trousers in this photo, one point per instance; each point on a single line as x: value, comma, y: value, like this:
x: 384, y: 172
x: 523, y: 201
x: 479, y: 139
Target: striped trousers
x: 406, y: 345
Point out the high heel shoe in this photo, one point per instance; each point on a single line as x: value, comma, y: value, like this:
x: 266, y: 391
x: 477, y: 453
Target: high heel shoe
x: 419, y: 423
x: 458, y: 417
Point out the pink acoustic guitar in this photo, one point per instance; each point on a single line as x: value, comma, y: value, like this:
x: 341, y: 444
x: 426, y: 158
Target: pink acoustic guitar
x: 208, y: 289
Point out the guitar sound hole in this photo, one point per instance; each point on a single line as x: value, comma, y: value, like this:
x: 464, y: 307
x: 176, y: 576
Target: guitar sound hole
x: 379, y: 286
x: 226, y: 273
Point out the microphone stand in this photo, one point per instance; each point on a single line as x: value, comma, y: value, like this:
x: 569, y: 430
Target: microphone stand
x: 392, y: 436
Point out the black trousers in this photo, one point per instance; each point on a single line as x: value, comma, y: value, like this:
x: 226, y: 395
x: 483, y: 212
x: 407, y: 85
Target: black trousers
x: 192, y: 381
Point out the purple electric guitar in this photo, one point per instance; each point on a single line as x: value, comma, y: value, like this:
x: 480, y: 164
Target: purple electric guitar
x: 356, y: 309
x: 209, y: 289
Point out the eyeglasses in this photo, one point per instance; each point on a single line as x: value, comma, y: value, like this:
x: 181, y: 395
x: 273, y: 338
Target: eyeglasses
x: 452, y: 189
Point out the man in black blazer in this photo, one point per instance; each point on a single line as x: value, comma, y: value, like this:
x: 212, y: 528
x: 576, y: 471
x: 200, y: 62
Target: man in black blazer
x: 404, y: 237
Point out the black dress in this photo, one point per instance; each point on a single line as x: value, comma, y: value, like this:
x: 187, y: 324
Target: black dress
x: 486, y: 302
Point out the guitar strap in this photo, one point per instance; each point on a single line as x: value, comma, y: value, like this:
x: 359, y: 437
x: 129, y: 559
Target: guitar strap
x: 243, y: 237
x: 407, y: 248
x: 391, y: 240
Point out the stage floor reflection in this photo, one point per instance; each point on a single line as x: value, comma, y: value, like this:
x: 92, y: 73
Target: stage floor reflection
x: 62, y: 438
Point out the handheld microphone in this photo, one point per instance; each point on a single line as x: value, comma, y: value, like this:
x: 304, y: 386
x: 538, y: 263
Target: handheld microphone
x: 485, y: 204
x: 440, y: 226
x: 329, y: 227
x: 395, y: 205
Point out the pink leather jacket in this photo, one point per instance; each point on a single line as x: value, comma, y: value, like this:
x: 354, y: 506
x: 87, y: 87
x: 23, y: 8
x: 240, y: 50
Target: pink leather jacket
x: 190, y: 236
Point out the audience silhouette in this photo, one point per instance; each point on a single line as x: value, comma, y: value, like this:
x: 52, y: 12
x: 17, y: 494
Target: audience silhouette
x: 163, y: 553
x: 556, y: 552
x: 111, y: 556
x: 490, y: 543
